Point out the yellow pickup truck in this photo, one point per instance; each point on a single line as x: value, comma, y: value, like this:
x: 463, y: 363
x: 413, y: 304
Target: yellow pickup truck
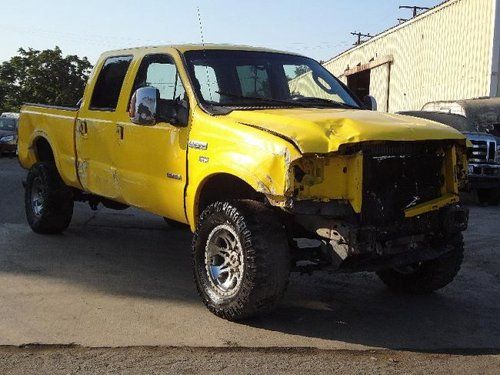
x: 273, y: 163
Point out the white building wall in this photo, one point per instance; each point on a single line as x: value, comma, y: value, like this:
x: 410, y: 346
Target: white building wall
x: 445, y: 54
x: 495, y: 65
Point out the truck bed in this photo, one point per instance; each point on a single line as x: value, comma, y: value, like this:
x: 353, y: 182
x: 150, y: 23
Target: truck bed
x: 55, y: 124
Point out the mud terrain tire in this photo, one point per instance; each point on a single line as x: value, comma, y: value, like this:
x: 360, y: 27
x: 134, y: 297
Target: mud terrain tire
x: 261, y: 244
x: 428, y: 276
x: 48, y: 201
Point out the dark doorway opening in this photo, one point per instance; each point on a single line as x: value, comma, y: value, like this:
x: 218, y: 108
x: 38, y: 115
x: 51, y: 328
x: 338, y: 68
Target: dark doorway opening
x: 359, y: 83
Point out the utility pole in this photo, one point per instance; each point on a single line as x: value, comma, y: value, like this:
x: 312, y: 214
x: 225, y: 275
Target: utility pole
x: 415, y: 9
x: 359, y: 36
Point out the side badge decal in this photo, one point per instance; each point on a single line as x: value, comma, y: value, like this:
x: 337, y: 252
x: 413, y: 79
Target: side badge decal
x: 174, y: 176
x: 198, y: 145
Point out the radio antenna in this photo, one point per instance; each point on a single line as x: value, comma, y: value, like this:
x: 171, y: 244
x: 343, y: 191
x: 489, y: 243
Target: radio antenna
x: 204, y: 53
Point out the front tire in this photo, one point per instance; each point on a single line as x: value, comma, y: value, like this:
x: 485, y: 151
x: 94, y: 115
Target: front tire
x: 48, y: 201
x: 241, y: 259
x: 428, y: 276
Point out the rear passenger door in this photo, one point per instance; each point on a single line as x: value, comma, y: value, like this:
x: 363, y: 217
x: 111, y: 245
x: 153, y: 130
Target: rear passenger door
x: 96, y: 128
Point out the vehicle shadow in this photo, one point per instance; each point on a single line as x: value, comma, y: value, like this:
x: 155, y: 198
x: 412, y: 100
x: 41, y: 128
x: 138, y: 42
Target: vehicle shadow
x: 135, y: 255
x: 358, y: 309
x: 125, y: 254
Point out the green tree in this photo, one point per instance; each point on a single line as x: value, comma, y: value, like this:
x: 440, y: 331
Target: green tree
x: 45, y: 76
x: 301, y: 69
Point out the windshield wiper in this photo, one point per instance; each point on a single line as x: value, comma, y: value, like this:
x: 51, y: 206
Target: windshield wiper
x: 256, y: 98
x: 298, y: 102
x: 307, y: 99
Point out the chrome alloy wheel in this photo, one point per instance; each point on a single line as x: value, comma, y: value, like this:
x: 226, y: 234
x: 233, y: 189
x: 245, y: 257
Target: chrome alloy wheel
x: 224, y: 260
x: 37, y: 200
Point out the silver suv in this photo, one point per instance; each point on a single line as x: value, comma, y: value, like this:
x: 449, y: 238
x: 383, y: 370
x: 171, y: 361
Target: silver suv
x: 479, y: 121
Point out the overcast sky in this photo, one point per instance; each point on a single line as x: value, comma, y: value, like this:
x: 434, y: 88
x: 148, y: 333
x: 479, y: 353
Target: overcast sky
x: 317, y: 28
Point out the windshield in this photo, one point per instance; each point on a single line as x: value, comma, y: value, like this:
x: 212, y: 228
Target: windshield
x: 251, y: 79
x: 7, y: 124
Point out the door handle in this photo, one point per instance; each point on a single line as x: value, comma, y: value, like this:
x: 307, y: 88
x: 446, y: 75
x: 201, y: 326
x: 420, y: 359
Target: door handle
x: 119, y: 131
x: 82, y: 127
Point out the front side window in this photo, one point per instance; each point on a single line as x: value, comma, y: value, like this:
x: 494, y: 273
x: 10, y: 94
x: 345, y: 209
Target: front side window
x: 109, y: 83
x: 159, y: 71
x: 253, y: 79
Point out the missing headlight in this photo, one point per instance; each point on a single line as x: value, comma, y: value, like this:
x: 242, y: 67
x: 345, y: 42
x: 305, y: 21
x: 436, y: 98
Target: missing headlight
x: 299, y: 173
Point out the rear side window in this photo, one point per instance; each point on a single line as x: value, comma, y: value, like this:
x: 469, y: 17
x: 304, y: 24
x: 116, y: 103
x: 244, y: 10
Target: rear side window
x: 109, y: 83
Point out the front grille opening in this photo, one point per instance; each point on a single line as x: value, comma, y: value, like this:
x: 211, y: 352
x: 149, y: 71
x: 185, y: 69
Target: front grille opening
x: 483, y: 151
x: 397, y: 178
x: 491, y: 150
x: 479, y: 151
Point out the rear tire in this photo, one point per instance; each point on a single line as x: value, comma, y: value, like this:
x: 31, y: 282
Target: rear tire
x: 489, y: 196
x: 428, y: 276
x: 48, y: 201
x: 241, y: 259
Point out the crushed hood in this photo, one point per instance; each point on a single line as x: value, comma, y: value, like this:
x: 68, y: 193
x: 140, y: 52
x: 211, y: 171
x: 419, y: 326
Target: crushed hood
x: 315, y: 130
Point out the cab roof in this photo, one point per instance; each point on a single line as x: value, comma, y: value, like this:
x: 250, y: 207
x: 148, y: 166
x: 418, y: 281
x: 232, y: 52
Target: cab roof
x: 192, y: 47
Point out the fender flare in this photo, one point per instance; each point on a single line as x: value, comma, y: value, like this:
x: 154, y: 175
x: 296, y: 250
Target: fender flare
x: 195, y: 188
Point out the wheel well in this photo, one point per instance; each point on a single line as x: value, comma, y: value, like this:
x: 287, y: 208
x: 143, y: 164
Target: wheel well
x: 225, y: 187
x: 43, y: 151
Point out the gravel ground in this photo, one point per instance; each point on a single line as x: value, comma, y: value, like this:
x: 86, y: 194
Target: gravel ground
x: 161, y: 360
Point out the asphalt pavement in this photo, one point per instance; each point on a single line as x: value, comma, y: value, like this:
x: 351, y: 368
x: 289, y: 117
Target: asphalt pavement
x: 123, y: 279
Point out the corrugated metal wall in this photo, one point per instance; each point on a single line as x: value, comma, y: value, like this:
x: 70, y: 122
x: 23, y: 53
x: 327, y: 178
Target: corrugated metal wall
x: 495, y: 65
x: 444, y: 55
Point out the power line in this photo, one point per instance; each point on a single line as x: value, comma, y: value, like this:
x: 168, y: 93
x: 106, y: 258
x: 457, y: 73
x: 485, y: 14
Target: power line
x: 359, y: 37
x: 415, y: 9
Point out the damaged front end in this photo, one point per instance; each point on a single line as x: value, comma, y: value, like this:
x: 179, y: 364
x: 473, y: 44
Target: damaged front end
x: 376, y: 205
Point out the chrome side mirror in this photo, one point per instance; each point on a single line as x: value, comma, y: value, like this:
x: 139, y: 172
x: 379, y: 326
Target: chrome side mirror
x: 370, y: 102
x: 144, y: 106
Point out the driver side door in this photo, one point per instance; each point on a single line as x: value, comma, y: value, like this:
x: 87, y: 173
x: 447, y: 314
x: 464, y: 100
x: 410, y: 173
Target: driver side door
x: 151, y: 159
